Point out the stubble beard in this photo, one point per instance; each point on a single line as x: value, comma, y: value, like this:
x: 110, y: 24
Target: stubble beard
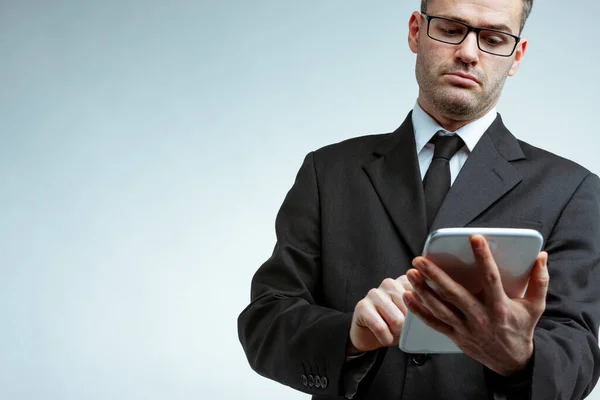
x: 455, y: 103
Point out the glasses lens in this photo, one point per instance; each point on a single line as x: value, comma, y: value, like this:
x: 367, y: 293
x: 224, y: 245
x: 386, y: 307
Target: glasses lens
x: 446, y: 31
x: 496, y: 42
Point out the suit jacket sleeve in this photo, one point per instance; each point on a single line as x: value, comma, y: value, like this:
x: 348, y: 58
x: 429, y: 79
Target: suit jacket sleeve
x: 285, y: 334
x: 566, y: 361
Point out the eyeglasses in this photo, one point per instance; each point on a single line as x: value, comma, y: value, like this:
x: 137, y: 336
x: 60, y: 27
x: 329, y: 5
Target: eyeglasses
x: 490, y: 41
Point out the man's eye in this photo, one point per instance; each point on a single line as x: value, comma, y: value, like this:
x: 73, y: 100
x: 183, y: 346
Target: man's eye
x: 451, y: 32
x: 495, y: 40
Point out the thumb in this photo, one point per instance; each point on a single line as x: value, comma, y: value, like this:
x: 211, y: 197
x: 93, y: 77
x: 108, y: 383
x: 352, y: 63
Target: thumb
x: 538, y: 282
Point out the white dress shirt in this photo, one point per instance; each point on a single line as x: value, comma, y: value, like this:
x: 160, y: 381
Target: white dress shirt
x: 426, y: 127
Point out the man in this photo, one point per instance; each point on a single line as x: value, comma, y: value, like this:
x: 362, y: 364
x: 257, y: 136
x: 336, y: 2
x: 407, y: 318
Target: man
x: 328, y: 307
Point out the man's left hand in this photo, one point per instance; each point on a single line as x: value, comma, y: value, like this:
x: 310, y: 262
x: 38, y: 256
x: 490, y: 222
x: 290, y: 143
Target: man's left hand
x: 491, y: 327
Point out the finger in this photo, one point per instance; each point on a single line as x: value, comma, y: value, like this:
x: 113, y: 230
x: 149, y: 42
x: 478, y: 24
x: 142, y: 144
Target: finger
x: 492, y: 283
x: 402, y: 286
x: 539, y: 279
x: 395, y: 288
x: 403, y: 280
x: 396, y: 298
x: 430, y: 300
x: 387, y: 309
x: 370, y: 318
x: 447, y: 288
x: 415, y: 295
x: 416, y: 307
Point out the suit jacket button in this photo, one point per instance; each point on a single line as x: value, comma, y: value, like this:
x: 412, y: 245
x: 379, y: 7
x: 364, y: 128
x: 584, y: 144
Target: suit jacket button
x: 311, y: 381
x: 317, y: 381
x: 323, y: 382
x: 419, y: 359
x: 304, y: 380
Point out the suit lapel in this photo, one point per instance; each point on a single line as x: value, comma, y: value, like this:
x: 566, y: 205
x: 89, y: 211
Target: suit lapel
x: 397, y: 180
x: 486, y: 177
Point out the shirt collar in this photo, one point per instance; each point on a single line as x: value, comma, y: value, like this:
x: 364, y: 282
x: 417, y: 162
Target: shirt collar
x: 426, y: 127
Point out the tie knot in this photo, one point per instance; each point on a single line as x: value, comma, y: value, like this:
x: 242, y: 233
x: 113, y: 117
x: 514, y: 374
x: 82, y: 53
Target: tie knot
x: 446, y: 146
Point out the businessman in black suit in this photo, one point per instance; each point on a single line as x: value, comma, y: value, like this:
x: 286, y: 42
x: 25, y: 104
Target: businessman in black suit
x: 328, y: 306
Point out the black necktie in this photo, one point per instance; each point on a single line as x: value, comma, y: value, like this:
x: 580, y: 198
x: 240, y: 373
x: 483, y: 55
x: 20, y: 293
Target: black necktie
x: 437, y: 179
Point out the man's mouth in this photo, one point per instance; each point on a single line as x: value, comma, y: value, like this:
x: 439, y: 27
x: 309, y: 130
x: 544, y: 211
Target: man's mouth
x: 463, y: 78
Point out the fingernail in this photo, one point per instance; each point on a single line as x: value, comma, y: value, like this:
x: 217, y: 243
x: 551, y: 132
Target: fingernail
x: 478, y: 243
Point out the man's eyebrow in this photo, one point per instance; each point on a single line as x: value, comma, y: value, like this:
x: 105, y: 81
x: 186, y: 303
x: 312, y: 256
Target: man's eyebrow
x: 498, y: 27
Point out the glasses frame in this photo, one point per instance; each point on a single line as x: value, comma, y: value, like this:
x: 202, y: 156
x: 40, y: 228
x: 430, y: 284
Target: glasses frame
x: 470, y: 29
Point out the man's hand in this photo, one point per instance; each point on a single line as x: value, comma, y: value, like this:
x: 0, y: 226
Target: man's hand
x: 490, y: 328
x: 379, y: 317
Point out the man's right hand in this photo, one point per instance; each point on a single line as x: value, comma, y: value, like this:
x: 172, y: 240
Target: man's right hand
x: 378, y: 318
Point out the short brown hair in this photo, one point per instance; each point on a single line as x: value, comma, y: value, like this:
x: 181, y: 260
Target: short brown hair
x: 527, y: 6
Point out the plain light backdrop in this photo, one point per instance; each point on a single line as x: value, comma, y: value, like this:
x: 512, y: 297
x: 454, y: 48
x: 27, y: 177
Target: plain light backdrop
x: 146, y: 146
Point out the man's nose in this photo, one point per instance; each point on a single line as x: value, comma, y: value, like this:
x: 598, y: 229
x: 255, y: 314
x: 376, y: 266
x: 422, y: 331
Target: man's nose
x: 468, y: 50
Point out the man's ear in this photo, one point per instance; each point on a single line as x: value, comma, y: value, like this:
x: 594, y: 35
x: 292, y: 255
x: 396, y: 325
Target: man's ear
x: 519, y: 54
x: 414, y: 27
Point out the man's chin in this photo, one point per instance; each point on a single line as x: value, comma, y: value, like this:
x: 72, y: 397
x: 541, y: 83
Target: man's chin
x: 460, y: 99
x: 459, y: 108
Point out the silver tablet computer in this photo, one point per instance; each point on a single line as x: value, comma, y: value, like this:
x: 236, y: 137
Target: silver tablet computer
x: 515, y: 252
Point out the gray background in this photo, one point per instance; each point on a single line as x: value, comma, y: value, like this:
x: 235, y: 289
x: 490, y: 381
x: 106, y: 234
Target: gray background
x: 146, y: 147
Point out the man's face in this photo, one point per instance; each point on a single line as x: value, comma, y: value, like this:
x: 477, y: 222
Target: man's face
x: 460, y: 82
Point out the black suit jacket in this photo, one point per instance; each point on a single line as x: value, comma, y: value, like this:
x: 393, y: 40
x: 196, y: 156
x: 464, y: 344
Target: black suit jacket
x: 356, y: 215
